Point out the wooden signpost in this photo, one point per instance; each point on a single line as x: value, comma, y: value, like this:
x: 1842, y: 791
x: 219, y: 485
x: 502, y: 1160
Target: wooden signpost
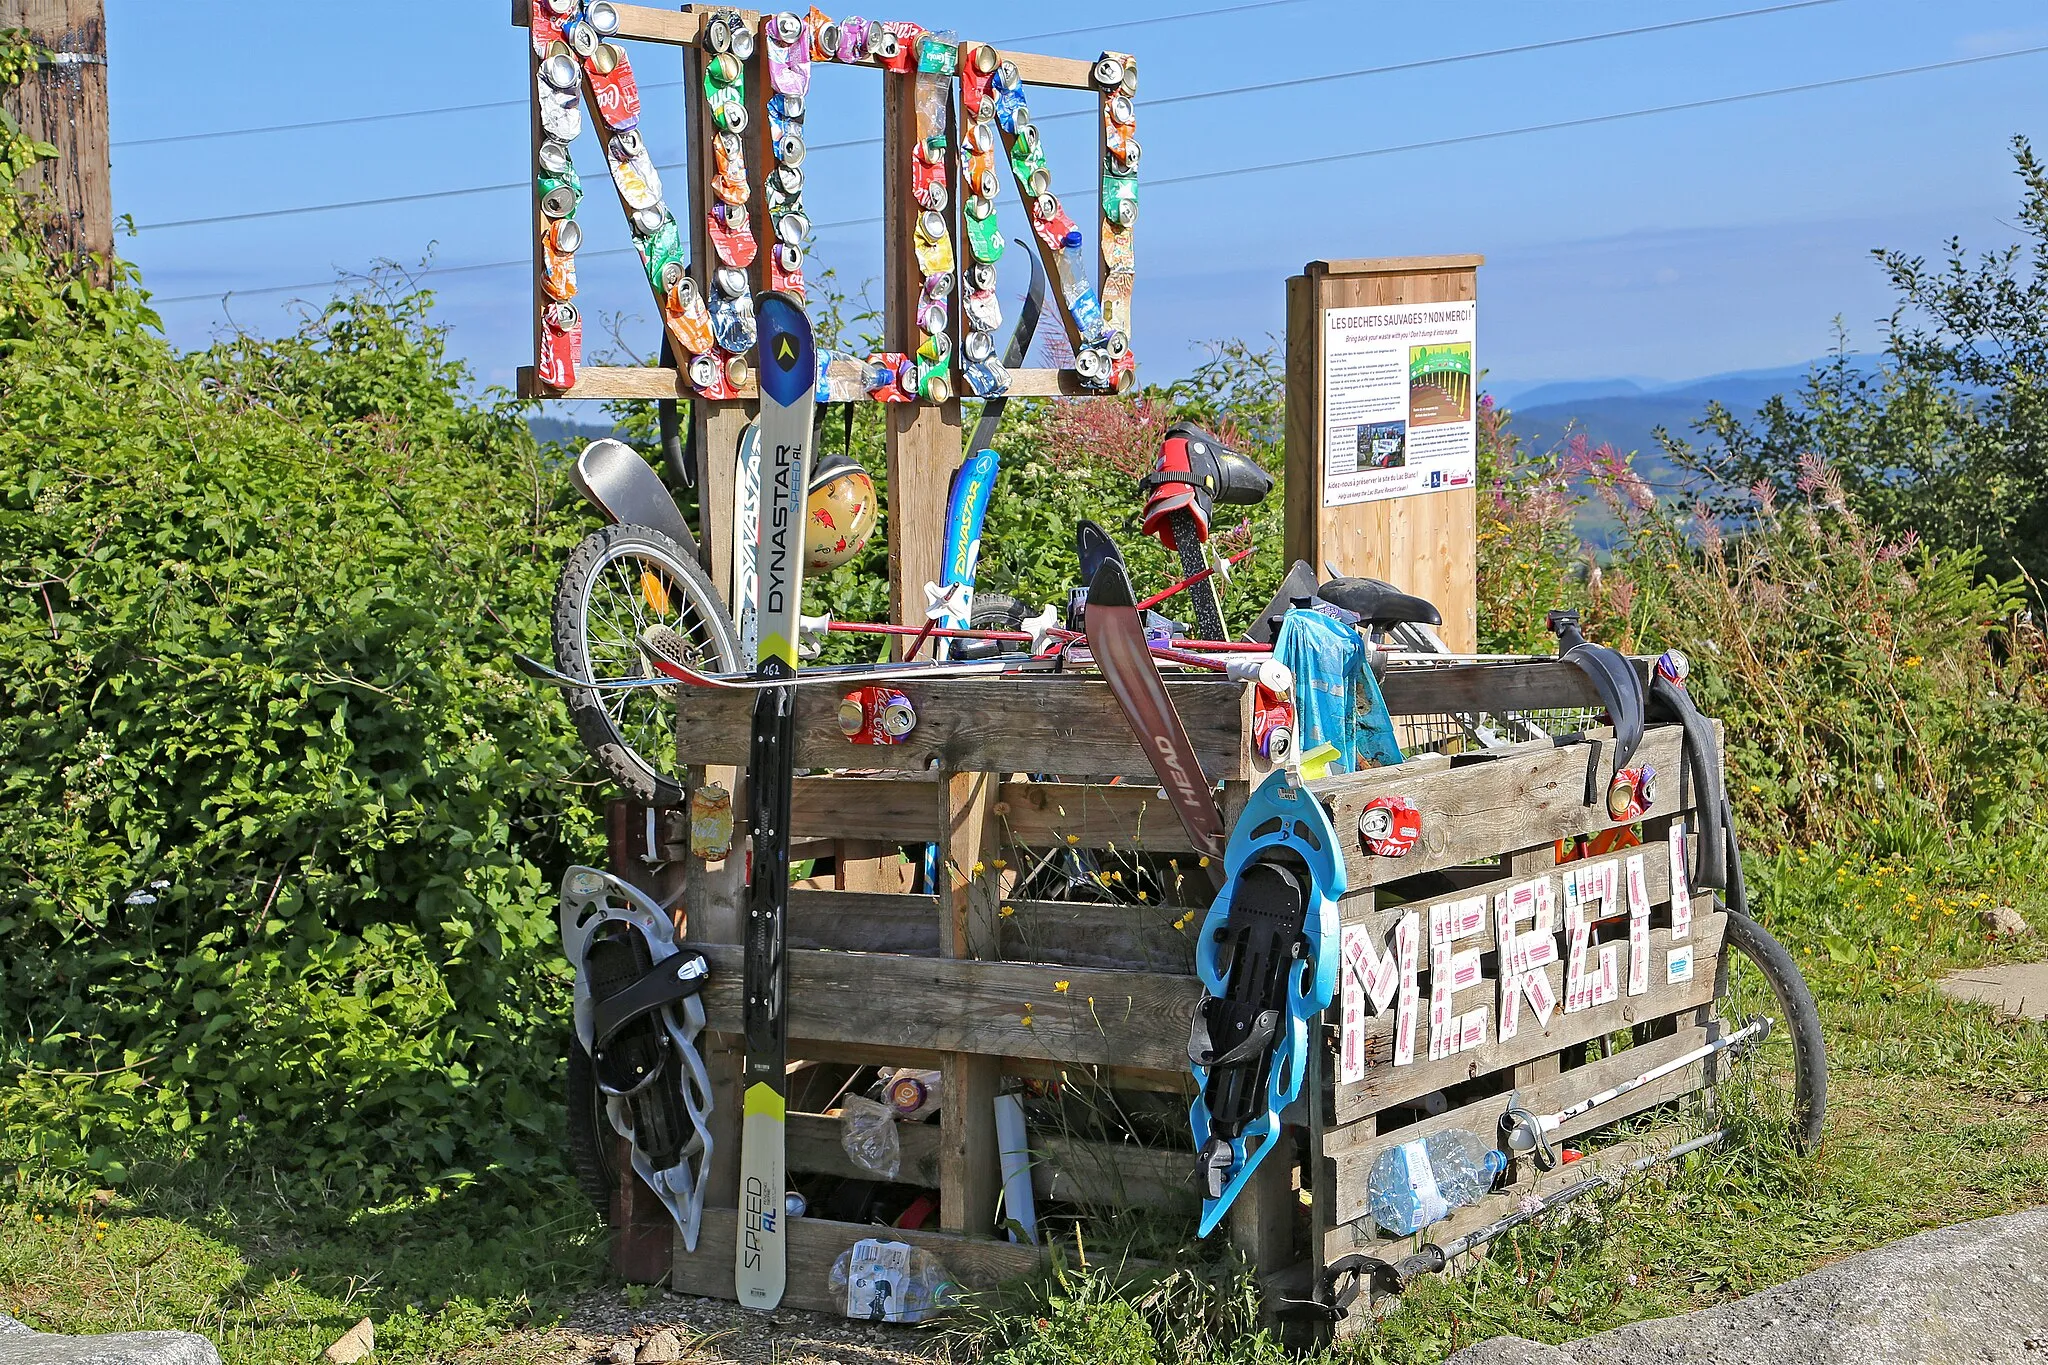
x: 1349, y: 407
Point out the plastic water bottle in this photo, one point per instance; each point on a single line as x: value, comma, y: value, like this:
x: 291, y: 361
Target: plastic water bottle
x: 1417, y: 1183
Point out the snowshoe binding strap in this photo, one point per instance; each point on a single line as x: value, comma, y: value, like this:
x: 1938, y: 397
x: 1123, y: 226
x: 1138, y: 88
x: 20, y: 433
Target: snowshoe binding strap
x: 1619, y: 686
x: 1193, y: 473
x: 1521, y: 1132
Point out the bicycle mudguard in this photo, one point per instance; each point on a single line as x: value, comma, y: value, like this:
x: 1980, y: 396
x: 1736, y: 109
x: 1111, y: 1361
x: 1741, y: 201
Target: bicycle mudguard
x: 638, y: 1011
x: 1670, y: 701
x: 1614, y: 678
x: 624, y: 488
x: 1267, y: 958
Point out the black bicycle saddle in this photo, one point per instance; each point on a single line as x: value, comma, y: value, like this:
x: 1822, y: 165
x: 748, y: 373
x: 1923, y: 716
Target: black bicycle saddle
x: 1379, y: 605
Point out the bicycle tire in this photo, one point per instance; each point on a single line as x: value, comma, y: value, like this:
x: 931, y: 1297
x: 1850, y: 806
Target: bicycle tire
x: 1796, y: 1016
x: 590, y: 1132
x: 623, y: 729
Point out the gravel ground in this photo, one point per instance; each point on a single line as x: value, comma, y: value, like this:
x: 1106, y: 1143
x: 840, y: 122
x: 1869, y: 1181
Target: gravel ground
x: 605, y: 1328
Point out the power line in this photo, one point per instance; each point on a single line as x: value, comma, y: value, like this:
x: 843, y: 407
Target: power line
x: 1589, y: 121
x: 503, y: 186
x: 649, y: 85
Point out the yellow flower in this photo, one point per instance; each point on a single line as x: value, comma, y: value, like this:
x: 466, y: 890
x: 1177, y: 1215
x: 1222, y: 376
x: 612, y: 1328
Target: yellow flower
x: 1061, y: 986
x: 39, y: 1218
x: 1755, y: 790
x: 1073, y: 838
x: 99, y: 1236
x: 1912, y: 899
x: 101, y: 1226
x: 999, y: 864
x: 1007, y: 911
x: 980, y: 868
x: 1026, y: 1021
x: 1144, y: 897
x: 1912, y: 661
x: 1204, y: 861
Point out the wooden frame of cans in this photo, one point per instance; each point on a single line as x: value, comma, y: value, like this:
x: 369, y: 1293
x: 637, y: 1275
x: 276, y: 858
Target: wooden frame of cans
x: 955, y: 123
x: 990, y: 989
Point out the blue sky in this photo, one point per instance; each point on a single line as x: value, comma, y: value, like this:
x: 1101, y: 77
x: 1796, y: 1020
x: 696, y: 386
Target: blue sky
x: 1664, y: 246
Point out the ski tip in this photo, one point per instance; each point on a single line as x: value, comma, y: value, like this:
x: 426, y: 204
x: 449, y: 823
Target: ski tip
x: 540, y: 672
x: 1111, y: 586
x: 789, y: 364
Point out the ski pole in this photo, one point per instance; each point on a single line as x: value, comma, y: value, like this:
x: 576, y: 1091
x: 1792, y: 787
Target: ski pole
x: 1529, y: 1134
x: 1204, y: 576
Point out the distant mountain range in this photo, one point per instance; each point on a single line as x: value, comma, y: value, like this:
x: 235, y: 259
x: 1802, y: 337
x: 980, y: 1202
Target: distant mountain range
x: 1625, y: 413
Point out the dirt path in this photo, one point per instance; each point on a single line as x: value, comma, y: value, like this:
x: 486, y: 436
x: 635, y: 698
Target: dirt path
x: 714, y: 1330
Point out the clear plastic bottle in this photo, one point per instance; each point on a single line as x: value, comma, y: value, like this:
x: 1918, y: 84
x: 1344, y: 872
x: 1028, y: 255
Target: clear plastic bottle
x: 1417, y: 1183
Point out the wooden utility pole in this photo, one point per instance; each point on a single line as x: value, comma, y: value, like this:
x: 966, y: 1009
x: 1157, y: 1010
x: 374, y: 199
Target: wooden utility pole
x: 64, y: 103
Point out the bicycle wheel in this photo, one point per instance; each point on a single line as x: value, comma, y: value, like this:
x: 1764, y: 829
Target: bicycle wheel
x: 627, y: 591
x: 1773, y: 1094
x: 590, y: 1132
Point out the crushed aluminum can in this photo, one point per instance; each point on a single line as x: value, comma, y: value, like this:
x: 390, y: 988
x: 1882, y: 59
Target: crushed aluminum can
x: 936, y: 287
x: 559, y: 202
x: 647, y: 222
x: 737, y: 371
x: 1122, y: 112
x: 602, y: 16
x: 562, y: 8
x: 710, y: 823
x: 1006, y: 77
x: 1038, y: 184
x: 718, y: 32
x: 615, y: 91
x: 561, y: 118
x: 791, y: 229
x: 732, y: 238
x: 742, y: 36
x: 1674, y: 666
x: 1631, y: 792
x: 789, y: 151
x: 561, y: 346
x: 732, y: 328
x: 983, y: 310
x: 559, y: 73
x: 931, y: 317
x: 581, y: 37
x: 983, y: 59
x: 1092, y: 367
x: 558, y: 267
x: 1130, y: 81
x: 1109, y: 70
x: 788, y: 179
x: 553, y: 158
x: 731, y: 116
x: 730, y: 281
x: 783, y: 27
x: 565, y: 235
x: 1272, y: 724
x: 1126, y: 381
x: 980, y: 277
x: 705, y: 371
x: 826, y: 41
x: 1390, y: 825
x: 978, y: 346
x: 687, y: 319
x: 633, y: 172
x: 986, y: 378
x: 545, y: 26
x: 935, y: 349
x: 661, y: 252
x: 876, y: 715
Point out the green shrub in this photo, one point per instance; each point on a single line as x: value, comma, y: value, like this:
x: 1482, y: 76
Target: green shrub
x: 282, y: 820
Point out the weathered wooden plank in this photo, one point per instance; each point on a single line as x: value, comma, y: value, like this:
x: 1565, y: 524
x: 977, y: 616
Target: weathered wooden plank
x: 1076, y: 934
x: 865, y: 922
x: 1070, y: 1170
x: 1396, y: 265
x: 999, y: 1009
x: 1385, y: 1084
x: 815, y: 1243
x: 1130, y: 816
x: 1175, y: 1081
x: 1370, y: 907
x: 1479, y: 809
x: 1431, y: 689
x: 891, y: 807
x: 1038, y: 723
x: 1353, y: 1148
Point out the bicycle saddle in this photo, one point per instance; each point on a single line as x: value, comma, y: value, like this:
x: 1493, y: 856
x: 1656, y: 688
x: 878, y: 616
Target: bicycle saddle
x: 1379, y: 605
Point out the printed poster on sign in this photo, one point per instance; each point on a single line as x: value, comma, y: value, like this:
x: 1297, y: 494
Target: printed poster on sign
x: 1398, y: 397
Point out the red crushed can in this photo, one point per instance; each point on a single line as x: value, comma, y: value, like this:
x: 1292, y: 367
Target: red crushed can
x: 876, y: 715
x: 1272, y: 725
x: 561, y: 345
x: 1390, y: 825
x: 617, y: 93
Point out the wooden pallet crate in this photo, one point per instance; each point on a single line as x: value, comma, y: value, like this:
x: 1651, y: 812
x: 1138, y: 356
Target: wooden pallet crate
x: 989, y: 988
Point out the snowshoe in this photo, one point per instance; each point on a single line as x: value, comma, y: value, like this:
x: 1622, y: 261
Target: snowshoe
x: 639, y: 1010
x: 1267, y: 957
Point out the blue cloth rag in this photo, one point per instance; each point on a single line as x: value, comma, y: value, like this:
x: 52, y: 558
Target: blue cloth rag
x: 1336, y: 699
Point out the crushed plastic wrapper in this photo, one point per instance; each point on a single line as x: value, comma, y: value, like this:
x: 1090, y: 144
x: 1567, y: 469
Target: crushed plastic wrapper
x: 892, y: 1282
x: 867, y: 1131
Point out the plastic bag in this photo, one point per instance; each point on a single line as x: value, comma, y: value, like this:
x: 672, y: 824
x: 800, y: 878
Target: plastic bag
x: 867, y: 1131
x: 892, y: 1282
